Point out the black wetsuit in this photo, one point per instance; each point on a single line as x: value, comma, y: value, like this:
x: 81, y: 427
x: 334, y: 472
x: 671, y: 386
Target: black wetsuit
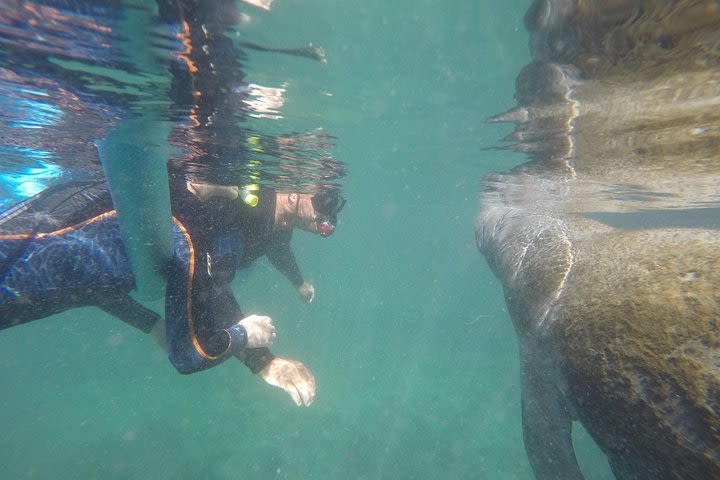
x: 63, y: 249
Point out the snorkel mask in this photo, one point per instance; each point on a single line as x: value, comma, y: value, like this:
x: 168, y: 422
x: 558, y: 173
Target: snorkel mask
x: 327, y: 205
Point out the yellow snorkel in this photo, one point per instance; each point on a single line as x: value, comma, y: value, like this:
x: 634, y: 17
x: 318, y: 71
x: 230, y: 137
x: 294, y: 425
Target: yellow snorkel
x: 249, y: 194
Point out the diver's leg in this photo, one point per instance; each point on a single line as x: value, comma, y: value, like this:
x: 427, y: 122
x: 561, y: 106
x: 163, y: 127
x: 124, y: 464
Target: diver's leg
x: 33, y: 307
x: 130, y: 311
x: 79, y: 265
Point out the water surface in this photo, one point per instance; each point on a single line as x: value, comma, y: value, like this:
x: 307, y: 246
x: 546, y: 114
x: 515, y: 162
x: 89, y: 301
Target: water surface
x: 409, y: 339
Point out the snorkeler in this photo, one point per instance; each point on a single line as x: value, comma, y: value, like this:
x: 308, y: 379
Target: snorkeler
x: 63, y: 248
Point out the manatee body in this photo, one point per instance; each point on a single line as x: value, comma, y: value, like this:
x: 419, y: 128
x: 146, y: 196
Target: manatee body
x: 619, y: 329
x: 607, y: 242
x: 641, y: 350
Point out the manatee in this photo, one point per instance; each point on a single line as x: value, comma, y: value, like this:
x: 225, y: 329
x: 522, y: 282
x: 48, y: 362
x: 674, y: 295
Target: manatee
x: 607, y: 241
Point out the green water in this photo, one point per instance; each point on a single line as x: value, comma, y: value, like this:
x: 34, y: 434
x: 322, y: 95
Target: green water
x: 409, y: 339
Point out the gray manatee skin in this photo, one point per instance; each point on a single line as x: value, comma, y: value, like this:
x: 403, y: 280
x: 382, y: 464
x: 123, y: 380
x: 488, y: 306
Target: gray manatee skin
x: 641, y: 348
x: 620, y: 330
x: 617, y: 313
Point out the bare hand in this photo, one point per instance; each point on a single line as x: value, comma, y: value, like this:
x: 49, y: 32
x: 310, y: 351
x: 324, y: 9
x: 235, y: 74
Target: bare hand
x: 260, y: 331
x: 306, y: 292
x: 293, y: 377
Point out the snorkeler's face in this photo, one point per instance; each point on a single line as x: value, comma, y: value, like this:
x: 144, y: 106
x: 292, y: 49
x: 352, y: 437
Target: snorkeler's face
x: 327, y: 205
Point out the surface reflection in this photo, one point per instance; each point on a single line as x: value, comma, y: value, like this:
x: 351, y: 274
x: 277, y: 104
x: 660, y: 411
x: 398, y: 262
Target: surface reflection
x: 72, y: 72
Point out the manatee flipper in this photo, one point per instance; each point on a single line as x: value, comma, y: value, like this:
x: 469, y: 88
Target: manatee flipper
x: 547, y: 426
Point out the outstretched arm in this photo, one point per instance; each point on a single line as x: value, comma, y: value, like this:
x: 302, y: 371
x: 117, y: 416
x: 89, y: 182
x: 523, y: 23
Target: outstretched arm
x: 203, y: 323
x: 283, y: 259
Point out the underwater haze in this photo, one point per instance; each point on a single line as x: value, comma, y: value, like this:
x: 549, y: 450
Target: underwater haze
x: 412, y: 348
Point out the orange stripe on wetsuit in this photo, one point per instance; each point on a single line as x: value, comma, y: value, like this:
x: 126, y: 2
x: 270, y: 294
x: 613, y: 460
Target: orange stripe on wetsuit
x: 22, y: 236
x: 191, y: 269
x: 188, y: 298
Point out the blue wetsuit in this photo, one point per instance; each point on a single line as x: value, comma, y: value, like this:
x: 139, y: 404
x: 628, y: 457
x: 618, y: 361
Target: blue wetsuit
x: 62, y: 249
